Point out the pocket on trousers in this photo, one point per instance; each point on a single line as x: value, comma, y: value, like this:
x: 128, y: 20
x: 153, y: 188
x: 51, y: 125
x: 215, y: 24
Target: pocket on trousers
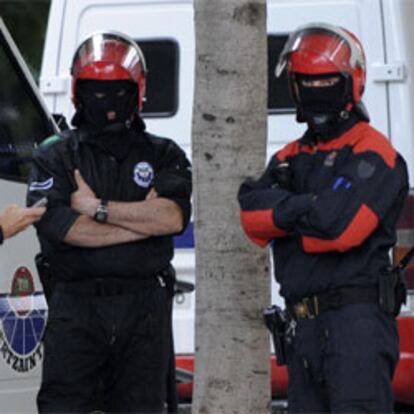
x: 60, y: 315
x: 354, y: 366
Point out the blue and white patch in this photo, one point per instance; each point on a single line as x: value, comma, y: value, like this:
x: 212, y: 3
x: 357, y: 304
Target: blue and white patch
x: 41, y: 185
x: 143, y: 174
x: 23, y: 315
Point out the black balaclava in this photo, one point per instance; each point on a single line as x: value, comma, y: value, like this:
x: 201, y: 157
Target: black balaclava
x: 119, y: 98
x: 324, y: 109
x: 104, y: 103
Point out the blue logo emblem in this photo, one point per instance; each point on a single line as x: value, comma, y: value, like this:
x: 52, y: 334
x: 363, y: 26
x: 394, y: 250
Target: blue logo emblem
x: 143, y: 174
x: 22, y: 323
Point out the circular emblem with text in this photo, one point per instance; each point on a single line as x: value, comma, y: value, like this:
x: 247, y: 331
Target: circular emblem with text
x: 143, y: 174
x: 22, y: 323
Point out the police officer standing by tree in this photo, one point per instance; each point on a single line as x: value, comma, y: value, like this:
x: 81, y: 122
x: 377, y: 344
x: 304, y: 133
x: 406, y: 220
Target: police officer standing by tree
x: 328, y: 203
x: 116, y: 195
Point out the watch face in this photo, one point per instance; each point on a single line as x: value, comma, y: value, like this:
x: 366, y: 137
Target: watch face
x: 101, y: 214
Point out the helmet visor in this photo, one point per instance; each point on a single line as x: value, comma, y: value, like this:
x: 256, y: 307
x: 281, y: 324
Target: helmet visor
x: 110, y: 48
x: 328, y: 43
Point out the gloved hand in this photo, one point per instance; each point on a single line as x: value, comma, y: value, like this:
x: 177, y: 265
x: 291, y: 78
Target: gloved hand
x: 248, y: 185
x: 282, y: 176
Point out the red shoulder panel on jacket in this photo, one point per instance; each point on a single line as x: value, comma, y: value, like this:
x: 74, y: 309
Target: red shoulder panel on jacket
x: 292, y: 149
x: 363, y: 137
x: 289, y: 150
x: 378, y: 143
x: 361, y: 226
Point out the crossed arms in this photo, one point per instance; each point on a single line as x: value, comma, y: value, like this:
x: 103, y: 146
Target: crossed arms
x: 340, y: 217
x: 73, y: 202
x: 127, y: 221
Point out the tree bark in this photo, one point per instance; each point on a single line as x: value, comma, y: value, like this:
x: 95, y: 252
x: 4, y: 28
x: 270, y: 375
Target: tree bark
x: 229, y: 144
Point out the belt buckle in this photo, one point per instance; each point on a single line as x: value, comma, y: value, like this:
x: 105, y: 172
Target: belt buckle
x: 307, y: 308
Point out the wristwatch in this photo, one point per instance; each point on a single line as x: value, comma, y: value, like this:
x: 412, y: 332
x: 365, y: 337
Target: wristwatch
x: 101, y: 215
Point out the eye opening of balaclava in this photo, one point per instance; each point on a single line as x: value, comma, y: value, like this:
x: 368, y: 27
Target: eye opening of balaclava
x: 322, y: 101
x: 103, y: 103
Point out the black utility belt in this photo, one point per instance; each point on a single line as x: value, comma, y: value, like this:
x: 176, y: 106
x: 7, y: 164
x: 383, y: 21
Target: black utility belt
x: 311, y: 306
x: 104, y: 287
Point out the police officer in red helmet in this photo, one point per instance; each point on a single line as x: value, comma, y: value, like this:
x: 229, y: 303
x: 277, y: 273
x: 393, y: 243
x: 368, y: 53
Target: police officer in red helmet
x: 327, y: 205
x: 117, y: 60
x: 116, y: 196
x: 326, y: 75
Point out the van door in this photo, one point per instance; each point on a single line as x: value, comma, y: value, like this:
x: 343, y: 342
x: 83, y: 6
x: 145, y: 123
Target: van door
x: 24, y: 122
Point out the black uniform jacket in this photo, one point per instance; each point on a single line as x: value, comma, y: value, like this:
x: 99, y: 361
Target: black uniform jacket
x: 336, y: 225
x: 146, y: 161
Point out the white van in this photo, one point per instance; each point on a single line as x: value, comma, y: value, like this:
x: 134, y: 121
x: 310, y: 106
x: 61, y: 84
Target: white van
x: 165, y: 31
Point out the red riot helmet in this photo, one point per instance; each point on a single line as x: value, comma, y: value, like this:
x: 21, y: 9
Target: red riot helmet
x: 322, y: 49
x: 109, y: 55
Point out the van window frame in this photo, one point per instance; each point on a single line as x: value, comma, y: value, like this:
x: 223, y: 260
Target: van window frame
x: 271, y: 71
x: 177, y: 56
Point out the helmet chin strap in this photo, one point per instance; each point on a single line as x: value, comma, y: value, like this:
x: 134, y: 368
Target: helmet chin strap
x: 324, y: 125
x: 116, y: 127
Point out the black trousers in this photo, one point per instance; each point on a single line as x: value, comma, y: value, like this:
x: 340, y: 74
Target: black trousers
x: 343, y: 361
x: 106, y: 352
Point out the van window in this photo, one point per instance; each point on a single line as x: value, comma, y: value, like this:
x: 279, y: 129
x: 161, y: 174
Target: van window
x: 162, y: 81
x: 23, y: 121
x: 279, y: 100
x: 162, y: 58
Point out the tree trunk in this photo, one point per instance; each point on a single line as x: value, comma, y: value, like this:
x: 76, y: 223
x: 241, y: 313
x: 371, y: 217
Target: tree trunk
x: 229, y: 144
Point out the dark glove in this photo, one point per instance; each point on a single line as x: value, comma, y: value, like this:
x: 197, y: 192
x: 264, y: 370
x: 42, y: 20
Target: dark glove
x: 282, y: 176
x: 248, y: 185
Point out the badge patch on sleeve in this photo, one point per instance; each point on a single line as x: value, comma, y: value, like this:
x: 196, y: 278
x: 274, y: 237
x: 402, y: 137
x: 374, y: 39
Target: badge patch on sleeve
x: 365, y: 169
x: 143, y: 174
x: 41, y: 185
